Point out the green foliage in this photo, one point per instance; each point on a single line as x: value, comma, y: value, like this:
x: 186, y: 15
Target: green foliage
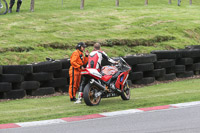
x: 54, y: 27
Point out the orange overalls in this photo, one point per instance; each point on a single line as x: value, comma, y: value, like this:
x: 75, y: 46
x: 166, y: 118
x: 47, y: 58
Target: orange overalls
x: 77, y: 60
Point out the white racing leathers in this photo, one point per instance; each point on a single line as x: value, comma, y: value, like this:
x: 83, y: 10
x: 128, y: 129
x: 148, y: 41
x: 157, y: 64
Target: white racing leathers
x: 96, y: 57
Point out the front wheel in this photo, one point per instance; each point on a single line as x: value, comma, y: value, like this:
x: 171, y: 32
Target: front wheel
x: 126, y: 93
x: 90, y: 95
x: 3, y: 7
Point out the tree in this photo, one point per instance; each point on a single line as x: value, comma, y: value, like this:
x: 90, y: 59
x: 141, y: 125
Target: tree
x: 32, y: 5
x: 170, y: 1
x: 82, y: 4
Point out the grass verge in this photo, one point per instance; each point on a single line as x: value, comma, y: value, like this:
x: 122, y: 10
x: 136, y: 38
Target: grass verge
x: 27, y: 37
x: 59, y: 106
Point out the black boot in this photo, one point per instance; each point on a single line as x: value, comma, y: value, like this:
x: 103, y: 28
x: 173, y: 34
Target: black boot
x: 19, y: 2
x: 10, y: 10
x: 12, y: 2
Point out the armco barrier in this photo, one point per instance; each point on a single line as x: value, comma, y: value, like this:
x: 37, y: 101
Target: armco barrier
x: 17, y: 81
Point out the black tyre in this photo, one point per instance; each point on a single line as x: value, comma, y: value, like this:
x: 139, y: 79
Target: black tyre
x: 196, y: 67
x: 192, y: 53
x: 5, y: 86
x: 196, y: 60
x: 17, y: 69
x: 193, y: 47
x: 166, y: 77
x: 189, y: 67
x: 89, y: 95
x: 1, y: 69
x: 184, y: 61
x: 16, y: 86
x: 155, y: 73
x: 179, y: 68
x: 126, y: 93
x: 164, y: 64
x: 144, y: 81
x: 42, y: 91
x: 13, y: 78
x: 65, y: 63
x: 42, y: 76
x: 140, y: 59
x: 63, y: 89
x: 30, y: 85
x: 170, y: 54
x: 136, y: 75
x: 47, y: 66
x: 56, y: 82
x: 64, y: 73
x: 14, y: 94
x: 185, y: 74
x: 170, y: 70
x: 143, y: 67
x: 3, y: 7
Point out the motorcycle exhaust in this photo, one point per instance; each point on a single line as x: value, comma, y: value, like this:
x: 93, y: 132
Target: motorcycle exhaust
x: 99, y: 86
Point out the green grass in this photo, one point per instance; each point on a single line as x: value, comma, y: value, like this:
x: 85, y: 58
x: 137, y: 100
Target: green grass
x: 59, y: 106
x: 52, y: 23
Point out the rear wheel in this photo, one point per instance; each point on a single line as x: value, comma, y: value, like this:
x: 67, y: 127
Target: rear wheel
x: 126, y: 93
x: 91, y: 96
x: 3, y: 7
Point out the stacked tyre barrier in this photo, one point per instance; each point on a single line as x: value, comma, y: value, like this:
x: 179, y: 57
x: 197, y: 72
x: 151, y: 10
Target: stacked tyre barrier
x: 44, y: 78
x: 38, y: 79
x: 142, y: 68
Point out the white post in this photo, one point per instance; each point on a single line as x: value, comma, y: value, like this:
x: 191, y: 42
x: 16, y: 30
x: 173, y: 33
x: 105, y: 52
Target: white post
x: 146, y: 2
x: 82, y: 4
x: 117, y: 2
x: 32, y: 5
x: 190, y: 2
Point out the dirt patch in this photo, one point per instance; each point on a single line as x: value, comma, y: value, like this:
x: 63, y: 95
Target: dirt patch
x: 193, y: 34
x: 113, y: 42
x: 16, y: 49
x: 160, y: 22
x: 57, y: 45
x: 134, y: 42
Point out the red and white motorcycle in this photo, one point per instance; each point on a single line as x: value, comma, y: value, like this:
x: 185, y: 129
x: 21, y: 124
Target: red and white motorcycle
x: 110, y: 82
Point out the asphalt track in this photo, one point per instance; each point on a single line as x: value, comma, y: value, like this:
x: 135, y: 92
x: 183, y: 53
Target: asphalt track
x: 183, y: 119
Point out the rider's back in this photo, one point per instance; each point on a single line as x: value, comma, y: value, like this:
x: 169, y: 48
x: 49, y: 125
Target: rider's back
x: 95, y: 59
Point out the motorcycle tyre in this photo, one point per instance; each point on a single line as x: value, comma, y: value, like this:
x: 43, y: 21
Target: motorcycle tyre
x: 125, y: 96
x: 86, y: 96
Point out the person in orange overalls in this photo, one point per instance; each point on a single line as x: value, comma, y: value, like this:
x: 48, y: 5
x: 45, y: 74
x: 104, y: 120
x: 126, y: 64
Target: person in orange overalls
x: 78, y: 61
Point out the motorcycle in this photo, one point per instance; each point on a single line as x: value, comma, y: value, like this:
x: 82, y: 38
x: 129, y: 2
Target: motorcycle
x: 111, y: 81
